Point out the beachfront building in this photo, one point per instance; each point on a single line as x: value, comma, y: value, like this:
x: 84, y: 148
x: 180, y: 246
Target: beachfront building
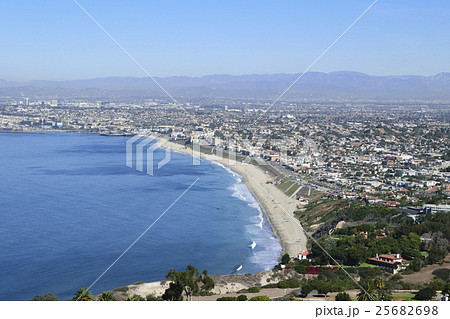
x: 390, y: 263
x: 303, y: 200
x: 303, y: 255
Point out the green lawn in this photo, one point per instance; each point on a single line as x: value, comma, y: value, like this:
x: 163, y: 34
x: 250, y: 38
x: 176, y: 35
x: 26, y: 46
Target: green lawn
x: 292, y: 190
x: 284, y: 186
x: 367, y: 265
x: 406, y: 297
x: 403, y: 296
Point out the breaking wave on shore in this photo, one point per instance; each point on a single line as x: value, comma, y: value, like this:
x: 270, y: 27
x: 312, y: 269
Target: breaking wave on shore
x: 264, y: 248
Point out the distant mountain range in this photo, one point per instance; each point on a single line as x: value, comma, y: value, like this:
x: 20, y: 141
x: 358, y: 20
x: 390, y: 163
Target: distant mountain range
x: 315, y: 85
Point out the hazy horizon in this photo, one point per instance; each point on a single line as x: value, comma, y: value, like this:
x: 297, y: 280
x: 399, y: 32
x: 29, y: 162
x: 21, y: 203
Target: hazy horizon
x: 57, y: 41
x: 221, y: 74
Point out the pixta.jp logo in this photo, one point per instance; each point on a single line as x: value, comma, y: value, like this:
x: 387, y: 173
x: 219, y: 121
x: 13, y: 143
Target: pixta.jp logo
x: 140, y: 153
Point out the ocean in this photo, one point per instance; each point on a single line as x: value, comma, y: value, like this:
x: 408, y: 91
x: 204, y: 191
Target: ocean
x: 69, y: 206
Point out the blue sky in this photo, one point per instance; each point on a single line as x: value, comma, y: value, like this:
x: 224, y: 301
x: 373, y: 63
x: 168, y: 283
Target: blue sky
x: 55, y: 40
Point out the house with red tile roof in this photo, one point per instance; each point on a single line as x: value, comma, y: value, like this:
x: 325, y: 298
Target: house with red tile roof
x: 389, y: 263
x: 304, y: 254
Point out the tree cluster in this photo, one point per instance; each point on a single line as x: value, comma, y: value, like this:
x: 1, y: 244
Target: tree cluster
x: 190, y: 281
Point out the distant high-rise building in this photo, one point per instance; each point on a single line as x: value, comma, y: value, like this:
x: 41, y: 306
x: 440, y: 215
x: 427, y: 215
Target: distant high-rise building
x: 27, y: 101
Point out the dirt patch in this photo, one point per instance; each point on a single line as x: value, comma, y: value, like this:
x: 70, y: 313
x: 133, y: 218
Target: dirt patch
x: 426, y: 274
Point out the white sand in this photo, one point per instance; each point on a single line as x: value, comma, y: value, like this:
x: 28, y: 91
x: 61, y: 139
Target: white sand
x: 277, y: 207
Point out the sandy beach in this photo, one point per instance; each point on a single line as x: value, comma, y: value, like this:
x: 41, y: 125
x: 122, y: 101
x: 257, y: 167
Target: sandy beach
x: 277, y: 207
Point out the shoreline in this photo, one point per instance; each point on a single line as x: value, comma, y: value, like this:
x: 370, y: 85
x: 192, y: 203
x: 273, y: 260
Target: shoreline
x: 286, y: 232
x: 283, y: 228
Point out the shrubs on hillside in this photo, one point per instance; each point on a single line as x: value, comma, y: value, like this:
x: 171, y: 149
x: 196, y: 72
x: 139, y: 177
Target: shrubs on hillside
x: 427, y: 293
x: 260, y: 298
x: 289, y: 283
x: 342, y: 296
x: 253, y: 290
x: 238, y: 298
x: 45, y: 297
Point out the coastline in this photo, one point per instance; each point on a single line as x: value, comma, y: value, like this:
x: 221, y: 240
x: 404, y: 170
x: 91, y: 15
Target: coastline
x: 286, y: 232
x: 283, y: 227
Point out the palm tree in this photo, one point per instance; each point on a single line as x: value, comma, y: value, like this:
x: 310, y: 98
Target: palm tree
x: 106, y: 296
x: 382, y: 293
x: 379, y: 283
x: 83, y: 295
x: 366, y: 292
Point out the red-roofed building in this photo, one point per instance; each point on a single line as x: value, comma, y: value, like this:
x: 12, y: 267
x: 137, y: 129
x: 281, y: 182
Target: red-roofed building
x: 303, y: 255
x: 389, y: 263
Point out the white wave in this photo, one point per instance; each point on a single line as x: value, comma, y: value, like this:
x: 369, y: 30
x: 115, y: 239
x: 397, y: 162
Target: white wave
x: 261, y: 220
x: 269, y: 248
x: 236, y: 176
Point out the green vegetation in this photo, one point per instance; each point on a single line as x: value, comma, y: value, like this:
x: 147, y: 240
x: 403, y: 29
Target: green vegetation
x: 174, y: 292
x: 284, y: 186
x: 328, y: 281
x: 106, y: 296
x: 121, y: 289
x: 352, y: 246
x: 306, y: 289
x: 374, y: 290
x: 285, y: 259
x: 152, y: 297
x: 427, y: 293
x: 342, y: 296
x: 45, y: 297
x: 446, y: 290
x: 134, y: 298
x: 226, y: 299
x: 253, y: 290
x: 332, y: 211
x: 289, y: 283
x: 442, y: 273
x: 187, y: 281
x: 83, y: 295
x: 406, y: 297
x: 260, y: 298
x: 292, y: 189
x: 238, y: 298
x: 368, y: 265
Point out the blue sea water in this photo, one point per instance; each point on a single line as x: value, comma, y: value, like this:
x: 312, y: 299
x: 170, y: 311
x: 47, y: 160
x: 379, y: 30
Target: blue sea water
x: 69, y: 206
